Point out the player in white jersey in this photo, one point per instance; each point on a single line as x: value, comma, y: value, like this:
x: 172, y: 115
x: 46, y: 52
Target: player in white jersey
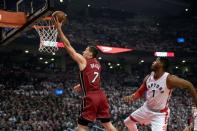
x: 158, y: 87
x: 194, y: 115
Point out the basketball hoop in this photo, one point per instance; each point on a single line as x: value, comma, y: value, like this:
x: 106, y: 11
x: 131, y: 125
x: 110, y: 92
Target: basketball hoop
x: 48, y: 35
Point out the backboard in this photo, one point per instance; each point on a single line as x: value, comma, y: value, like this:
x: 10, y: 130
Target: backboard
x: 34, y: 10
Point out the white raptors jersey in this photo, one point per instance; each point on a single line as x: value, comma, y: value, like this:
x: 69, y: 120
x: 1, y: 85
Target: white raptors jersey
x: 157, y: 95
x: 195, y: 119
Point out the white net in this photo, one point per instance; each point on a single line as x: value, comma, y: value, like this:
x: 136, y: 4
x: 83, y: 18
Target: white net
x: 48, y: 35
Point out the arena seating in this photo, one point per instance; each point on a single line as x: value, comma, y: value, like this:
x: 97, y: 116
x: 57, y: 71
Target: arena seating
x: 28, y: 101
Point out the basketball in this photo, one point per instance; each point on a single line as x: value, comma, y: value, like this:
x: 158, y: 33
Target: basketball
x: 60, y: 15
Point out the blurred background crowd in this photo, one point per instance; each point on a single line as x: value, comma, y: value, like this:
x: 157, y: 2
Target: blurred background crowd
x: 28, y: 100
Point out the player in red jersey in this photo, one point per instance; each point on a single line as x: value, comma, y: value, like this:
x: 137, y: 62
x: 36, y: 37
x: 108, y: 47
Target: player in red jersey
x: 94, y: 104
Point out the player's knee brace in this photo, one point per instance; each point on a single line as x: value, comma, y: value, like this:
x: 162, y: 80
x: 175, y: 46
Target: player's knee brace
x: 131, y: 125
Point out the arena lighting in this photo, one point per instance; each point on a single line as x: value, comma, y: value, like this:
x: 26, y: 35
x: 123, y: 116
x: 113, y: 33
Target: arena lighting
x: 142, y: 61
x: 89, y: 5
x: 118, y: 64
x: 46, y: 62
x: 176, y: 67
x: 26, y: 51
x: 111, y: 67
x: 109, y: 63
x: 186, y: 9
x: 100, y: 58
x: 41, y: 58
x: 61, y: 1
x: 164, y: 54
x: 183, y: 61
x: 52, y: 59
x: 53, y: 53
x: 112, y: 50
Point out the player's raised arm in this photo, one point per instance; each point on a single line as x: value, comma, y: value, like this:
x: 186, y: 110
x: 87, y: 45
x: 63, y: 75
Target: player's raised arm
x: 176, y: 82
x: 71, y: 51
x: 138, y: 94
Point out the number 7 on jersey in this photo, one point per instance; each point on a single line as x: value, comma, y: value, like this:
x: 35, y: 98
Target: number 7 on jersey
x: 96, y: 74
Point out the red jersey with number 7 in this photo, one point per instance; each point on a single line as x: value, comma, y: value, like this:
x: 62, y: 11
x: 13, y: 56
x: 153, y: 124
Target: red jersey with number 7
x: 90, y: 76
x: 94, y: 103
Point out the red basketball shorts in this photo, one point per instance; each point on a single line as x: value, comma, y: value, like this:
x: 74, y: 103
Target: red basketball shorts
x: 94, y: 106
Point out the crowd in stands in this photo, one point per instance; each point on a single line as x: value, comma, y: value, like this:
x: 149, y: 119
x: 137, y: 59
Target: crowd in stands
x: 28, y: 102
x: 138, y: 34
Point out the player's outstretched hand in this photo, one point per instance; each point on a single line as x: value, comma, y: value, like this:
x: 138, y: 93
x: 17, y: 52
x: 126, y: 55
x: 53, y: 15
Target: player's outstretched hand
x: 129, y: 99
x: 77, y: 88
x: 57, y: 23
